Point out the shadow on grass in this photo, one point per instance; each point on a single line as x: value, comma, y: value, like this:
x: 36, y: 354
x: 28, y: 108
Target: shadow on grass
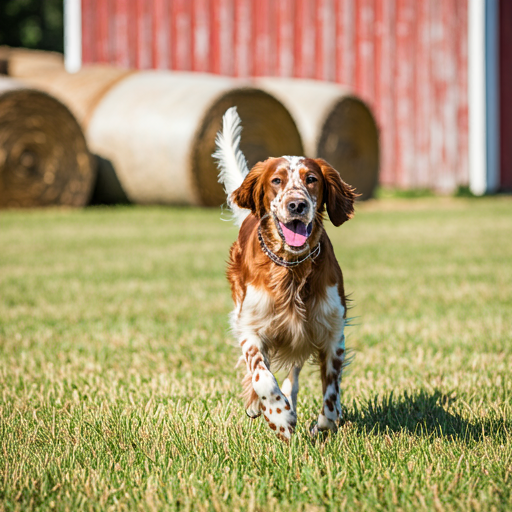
x: 424, y: 413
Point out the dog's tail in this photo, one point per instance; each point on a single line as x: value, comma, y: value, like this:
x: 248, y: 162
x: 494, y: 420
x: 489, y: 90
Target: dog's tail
x: 231, y: 161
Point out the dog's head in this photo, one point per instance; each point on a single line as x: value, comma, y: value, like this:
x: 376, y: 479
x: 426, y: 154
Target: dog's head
x: 292, y: 191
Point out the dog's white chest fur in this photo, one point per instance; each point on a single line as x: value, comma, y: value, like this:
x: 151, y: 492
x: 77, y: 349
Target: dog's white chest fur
x: 290, y: 333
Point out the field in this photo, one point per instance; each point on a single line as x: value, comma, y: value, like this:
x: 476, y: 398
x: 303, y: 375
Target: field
x: 118, y: 382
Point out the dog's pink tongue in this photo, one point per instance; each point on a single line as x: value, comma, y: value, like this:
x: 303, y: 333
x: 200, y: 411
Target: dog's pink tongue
x: 292, y: 238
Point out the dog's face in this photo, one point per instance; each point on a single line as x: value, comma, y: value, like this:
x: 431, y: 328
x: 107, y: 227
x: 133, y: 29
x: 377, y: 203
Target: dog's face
x: 293, y: 191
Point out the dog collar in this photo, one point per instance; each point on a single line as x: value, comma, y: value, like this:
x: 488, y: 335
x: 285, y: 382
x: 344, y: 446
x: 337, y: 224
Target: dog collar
x: 281, y: 261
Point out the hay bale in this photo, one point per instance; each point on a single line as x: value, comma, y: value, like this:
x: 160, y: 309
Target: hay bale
x: 158, y: 129
x: 21, y: 62
x: 43, y: 155
x: 81, y: 91
x: 335, y: 125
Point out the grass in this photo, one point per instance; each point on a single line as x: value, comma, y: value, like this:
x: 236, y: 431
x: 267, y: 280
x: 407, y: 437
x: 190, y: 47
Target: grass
x: 119, y: 392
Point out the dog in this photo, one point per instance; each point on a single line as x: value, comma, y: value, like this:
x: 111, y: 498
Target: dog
x: 287, y: 286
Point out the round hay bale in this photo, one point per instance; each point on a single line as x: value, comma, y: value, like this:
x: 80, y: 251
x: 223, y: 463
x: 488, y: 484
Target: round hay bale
x: 43, y: 155
x: 158, y: 129
x: 80, y: 91
x: 335, y: 125
x: 21, y: 62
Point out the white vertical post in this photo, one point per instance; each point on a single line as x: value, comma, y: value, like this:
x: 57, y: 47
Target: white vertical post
x: 72, y: 35
x: 483, y: 74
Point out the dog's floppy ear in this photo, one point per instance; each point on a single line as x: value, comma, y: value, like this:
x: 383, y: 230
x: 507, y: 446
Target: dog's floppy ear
x: 338, y: 196
x: 250, y: 193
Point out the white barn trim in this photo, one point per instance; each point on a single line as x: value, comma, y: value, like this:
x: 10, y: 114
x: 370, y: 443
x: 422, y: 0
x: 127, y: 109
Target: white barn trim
x: 483, y: 74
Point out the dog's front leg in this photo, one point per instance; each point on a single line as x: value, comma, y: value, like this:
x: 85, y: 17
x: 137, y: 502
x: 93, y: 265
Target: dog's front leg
x: 262, y: 392
x: 330, y: 370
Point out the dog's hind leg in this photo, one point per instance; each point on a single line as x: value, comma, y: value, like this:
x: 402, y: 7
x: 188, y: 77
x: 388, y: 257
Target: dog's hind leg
x: 290, y: 386
x: 330, y: 370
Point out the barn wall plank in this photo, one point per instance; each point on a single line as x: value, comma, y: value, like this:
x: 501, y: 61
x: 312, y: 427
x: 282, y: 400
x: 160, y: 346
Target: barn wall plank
x: 505, y: 45
x: 404, y: 90
x: 385, y: 63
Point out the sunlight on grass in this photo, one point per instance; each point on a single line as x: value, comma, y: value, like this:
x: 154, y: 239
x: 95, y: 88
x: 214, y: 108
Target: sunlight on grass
x: 118, y: 382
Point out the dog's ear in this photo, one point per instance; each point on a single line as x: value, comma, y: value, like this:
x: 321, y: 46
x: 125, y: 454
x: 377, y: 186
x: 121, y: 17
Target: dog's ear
x: 338, y: 196
x: 250, y: 193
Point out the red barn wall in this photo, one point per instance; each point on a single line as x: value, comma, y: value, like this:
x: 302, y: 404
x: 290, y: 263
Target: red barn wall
x: 505, y: 49
x: 408, y: 59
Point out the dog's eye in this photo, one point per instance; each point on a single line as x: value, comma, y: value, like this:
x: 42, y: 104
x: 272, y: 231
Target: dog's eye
x: 310, y: 179
x: 276, y: 181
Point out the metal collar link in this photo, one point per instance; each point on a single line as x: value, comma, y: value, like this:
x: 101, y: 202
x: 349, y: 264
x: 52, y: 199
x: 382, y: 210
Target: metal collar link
x: 281, y: 261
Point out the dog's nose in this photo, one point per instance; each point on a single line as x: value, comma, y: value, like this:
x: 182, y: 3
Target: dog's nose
x: 297, y: 206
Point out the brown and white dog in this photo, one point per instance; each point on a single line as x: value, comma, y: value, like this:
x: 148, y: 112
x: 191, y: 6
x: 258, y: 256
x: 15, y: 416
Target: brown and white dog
x: 286, y: 284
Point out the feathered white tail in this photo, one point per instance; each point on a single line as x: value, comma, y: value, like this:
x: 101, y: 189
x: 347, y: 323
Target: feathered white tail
x: 231, y: 161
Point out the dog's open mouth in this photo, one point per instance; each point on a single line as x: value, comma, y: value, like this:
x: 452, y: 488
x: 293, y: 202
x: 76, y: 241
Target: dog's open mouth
x: 295, y: 232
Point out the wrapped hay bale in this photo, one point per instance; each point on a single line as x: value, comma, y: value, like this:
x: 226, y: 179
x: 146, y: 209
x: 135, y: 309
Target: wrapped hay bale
x: 335, y: 125
x: 80, y: 91
x: 43, y: 155
x: 158, y: 130
x: 21, y: 62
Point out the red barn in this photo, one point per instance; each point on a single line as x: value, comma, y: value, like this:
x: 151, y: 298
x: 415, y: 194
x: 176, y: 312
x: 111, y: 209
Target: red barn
x: 429, y: 68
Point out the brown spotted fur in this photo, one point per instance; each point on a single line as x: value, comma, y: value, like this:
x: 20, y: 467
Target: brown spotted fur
x: 295, y: 290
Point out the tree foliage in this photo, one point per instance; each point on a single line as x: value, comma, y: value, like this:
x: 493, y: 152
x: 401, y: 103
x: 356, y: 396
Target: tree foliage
x: 32, y: 24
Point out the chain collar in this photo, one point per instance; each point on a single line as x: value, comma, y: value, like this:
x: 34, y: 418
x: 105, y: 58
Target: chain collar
x: 281, y: 261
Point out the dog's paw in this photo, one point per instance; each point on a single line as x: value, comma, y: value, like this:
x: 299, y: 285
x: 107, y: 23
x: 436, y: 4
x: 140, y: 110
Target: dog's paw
x: 279, y: 416
x: 325, y: 424
x: 276, y: 408
x: 254, y: 409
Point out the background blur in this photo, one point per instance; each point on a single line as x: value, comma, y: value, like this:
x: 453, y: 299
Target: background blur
x: 37, y: 24
x: 408, y: 60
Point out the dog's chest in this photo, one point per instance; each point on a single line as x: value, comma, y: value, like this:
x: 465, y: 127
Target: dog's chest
x: 288, y: 325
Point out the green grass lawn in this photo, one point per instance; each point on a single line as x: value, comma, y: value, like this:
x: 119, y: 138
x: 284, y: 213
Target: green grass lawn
x: 118, y: 382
